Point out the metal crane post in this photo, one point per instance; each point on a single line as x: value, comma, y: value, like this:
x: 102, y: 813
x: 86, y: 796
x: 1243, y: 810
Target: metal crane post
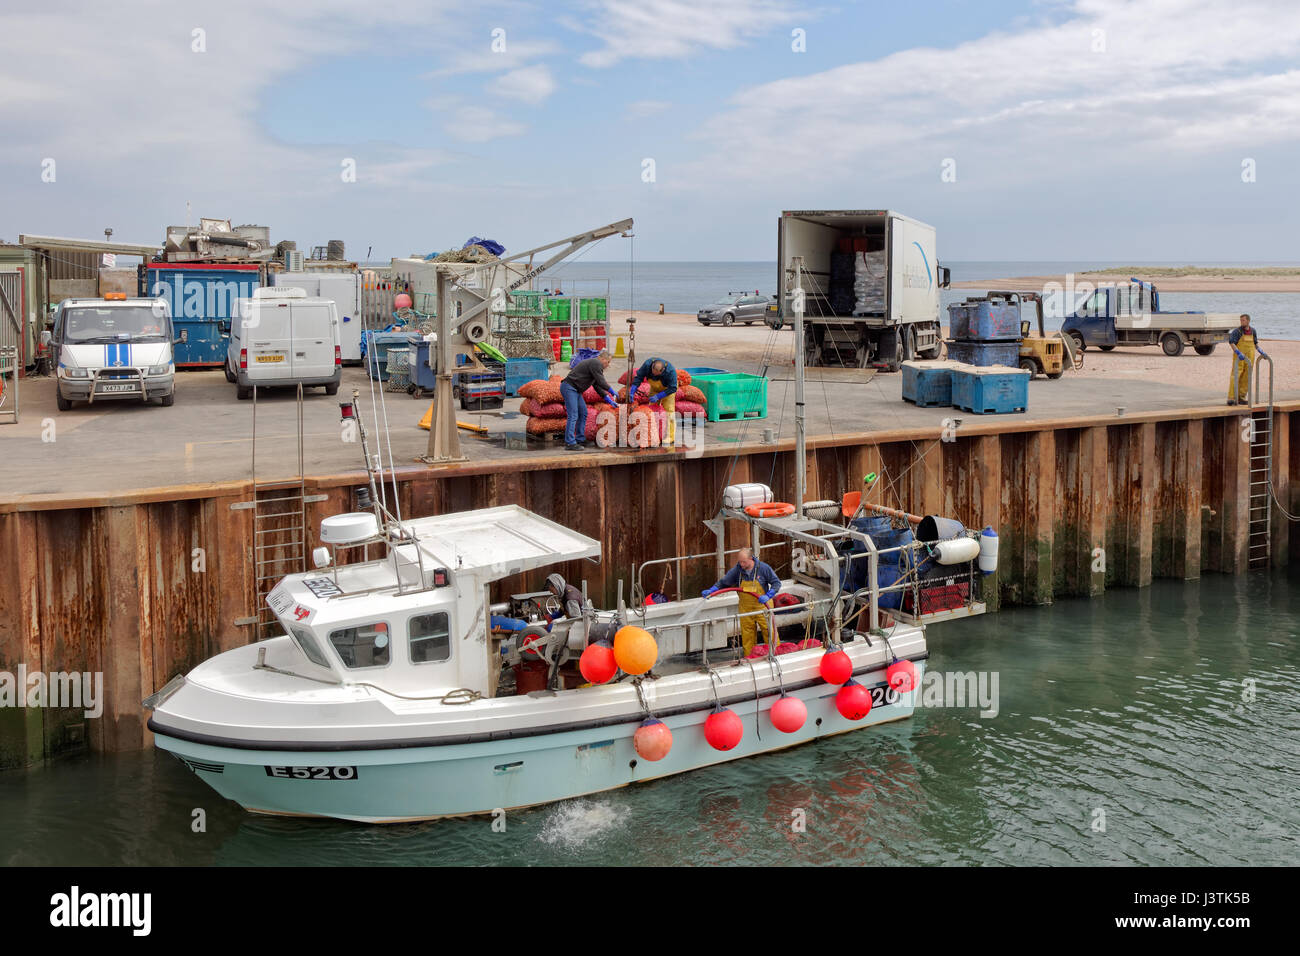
x: 444, y: 439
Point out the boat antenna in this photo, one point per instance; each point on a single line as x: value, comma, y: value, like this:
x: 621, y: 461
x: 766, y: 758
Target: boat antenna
x: 350, y: 411
x: 800, y: 467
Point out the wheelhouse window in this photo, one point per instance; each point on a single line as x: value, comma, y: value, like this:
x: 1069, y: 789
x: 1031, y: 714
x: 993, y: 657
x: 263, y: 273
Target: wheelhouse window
x: 365, y: 645
x: 430, y: 638
x: 306, y: 641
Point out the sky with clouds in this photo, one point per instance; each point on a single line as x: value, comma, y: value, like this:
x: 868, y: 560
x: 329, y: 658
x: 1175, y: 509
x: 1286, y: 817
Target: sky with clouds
x: 1154, y: 130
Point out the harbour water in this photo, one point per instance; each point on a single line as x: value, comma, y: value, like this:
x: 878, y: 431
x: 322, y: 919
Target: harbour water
x: 686, y: 286
x: 1147, y: 726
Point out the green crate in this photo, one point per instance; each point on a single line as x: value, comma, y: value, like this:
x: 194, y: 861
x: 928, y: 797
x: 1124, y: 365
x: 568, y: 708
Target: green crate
x: 734, y: 396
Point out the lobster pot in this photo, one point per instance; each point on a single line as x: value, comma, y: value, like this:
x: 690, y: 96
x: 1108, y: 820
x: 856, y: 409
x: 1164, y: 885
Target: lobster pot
x: 821, y: 510
x: 736, y: 497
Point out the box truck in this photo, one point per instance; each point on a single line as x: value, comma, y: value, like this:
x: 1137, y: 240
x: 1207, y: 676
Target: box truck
x: 870, y: 286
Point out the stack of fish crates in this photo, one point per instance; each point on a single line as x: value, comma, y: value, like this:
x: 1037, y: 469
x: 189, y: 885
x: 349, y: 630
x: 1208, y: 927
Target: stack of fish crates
x: 984, y: 331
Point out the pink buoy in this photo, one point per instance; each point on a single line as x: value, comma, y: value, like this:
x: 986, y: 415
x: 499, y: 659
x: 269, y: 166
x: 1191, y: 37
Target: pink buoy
x: 853, y: 701
x: 723, y: 729
x: 653, y: 739
x: 836, y: 667
x: 901, y: 676
x: 789, y: 714
x: 402, y: 301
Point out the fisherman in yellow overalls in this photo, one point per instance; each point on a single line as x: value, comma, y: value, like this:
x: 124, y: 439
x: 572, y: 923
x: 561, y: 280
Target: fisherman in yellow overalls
x: 661, y: 378
x: 1245, y: 346
x: 758, y: 584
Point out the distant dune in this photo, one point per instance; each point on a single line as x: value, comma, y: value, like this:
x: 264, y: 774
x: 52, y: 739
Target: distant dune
x: 1168, y: 278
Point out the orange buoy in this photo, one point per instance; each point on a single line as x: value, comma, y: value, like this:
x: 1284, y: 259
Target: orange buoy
x: 653, y: 739
x: 901, y: 676
x: 853, y: 700
x: 836, y: 667
x: 635, y: 649
x: 770, y: 509
x: 723, y: 729
x: 597, y: 662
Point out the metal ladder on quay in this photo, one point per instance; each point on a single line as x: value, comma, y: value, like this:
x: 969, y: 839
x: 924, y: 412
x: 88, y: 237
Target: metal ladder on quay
x: 1260, y: 534
x: 279, y: 539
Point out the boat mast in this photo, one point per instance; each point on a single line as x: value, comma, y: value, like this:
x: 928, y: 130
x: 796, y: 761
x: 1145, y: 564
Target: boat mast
x: 799, y: 452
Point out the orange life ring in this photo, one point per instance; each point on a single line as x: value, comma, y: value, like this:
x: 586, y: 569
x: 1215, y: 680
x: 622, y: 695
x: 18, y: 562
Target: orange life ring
x: 772, y: 509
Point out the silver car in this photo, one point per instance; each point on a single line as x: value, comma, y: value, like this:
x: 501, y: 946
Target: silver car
x: 736, y: 307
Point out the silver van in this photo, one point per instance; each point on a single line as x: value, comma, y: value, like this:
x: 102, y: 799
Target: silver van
x: 282, y: 337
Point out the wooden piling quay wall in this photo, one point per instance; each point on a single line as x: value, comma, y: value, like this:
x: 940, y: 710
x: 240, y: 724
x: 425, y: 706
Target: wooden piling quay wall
x: 141, y: 586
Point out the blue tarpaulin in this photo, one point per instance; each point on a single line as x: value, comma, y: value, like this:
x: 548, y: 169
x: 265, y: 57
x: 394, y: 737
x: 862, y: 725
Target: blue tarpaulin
x: 491, y: 245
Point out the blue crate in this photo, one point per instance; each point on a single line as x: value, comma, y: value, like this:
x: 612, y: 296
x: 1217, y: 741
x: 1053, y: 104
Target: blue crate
x: 978, y: 320
x: 985, y: 353
x: 990, y: 390
x: 704, y: 370
x: 520, y: 371
x: 928, y: 384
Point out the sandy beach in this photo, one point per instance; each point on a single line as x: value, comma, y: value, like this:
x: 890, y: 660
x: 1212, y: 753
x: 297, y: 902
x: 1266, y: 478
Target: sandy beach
x: 1201, y: 281
x: 676, y: 334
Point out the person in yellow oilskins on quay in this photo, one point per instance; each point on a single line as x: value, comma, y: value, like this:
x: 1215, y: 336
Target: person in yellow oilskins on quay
x: 660, y: 376
x: 1245, y: 348
x: 758, y: 584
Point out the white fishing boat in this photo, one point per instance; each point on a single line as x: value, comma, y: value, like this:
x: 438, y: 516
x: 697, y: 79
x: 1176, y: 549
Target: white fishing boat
x: 391, y: 696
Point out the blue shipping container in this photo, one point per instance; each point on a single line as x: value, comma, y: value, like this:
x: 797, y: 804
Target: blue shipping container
x: 202, y: 299
x: 985, y: 353
x: 985, y: 391
x: 984, y: 321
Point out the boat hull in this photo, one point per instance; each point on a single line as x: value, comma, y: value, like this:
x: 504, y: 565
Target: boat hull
x: 398, y: 784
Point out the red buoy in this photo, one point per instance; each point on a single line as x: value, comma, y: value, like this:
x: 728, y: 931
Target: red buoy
x: 901, y: 676
x: 723, y: 729
x: 853, y: 701
x: 836, y: 667
x: 789, y: 714
x: 597, y: 662
x: 653, y: 739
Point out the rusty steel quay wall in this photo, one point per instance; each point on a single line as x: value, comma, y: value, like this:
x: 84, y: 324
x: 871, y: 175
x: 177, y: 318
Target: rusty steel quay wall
x: 144, y: 585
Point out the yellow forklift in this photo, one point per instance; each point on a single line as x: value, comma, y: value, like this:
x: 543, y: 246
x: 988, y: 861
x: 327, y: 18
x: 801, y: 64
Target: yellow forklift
x: 1041, y: 354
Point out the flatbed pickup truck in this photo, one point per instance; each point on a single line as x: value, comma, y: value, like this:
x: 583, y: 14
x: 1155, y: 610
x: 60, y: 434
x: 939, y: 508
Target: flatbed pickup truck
x: 1130, y: 315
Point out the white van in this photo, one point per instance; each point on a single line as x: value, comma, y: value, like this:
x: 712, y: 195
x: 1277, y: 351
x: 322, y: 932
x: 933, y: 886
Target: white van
x: 283, y: 337
x: 113, y: 348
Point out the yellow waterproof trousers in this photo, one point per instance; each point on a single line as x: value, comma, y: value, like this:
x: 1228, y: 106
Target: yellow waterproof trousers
x: 1239, y: 383
x: 750, y: 626
x: 669, y: 405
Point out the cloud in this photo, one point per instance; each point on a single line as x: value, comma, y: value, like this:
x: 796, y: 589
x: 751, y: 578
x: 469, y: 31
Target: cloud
x: 673, y: 29
x: 642, y: 108
x: 479, y: 124
x: 1114, y: 83
x: 529, y: 84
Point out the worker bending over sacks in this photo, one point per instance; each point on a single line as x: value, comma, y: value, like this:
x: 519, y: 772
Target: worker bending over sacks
x: 661, y: 378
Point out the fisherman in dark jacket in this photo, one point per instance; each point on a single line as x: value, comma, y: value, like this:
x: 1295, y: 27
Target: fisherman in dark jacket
x: 589, y: 373
x: 662, y: 379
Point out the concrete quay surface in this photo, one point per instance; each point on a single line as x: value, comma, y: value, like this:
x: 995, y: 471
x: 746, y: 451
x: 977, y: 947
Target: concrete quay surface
x: 206, y: 437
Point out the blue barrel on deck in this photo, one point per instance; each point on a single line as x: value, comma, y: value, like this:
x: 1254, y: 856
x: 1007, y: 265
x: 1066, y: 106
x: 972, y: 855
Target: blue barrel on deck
x: 984, y: 320
x: 927, y: 384
x: 985, y: 353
